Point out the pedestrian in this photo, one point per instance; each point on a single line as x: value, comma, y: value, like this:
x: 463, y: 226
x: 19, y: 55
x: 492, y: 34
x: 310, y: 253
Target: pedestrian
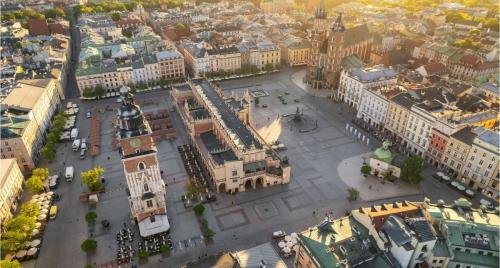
x: 232, y: 202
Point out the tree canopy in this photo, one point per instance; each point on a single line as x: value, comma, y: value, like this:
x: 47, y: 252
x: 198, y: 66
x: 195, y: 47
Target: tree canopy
x: 92, y: 178
x: 412, y: 167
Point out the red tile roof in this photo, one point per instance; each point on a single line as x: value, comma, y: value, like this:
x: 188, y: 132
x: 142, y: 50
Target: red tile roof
x: 59, y: 28
x: 38, y: 27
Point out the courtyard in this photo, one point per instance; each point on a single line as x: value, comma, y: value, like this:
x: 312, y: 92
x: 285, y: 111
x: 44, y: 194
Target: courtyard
x: 239, y: 221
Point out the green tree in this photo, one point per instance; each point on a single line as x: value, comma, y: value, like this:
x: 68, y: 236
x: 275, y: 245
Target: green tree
x: 143, y: 254
x: 10, y: 264
x: 88, y: 93
x: 366, y: 169
x: 256, y: 100
x: 19, y: 45
x: 353, y: 193
x: 99, y: 91
x: 180, y: 26
x: 192, y: 188
x: 92, y: 178
x: 164, y: 248
x: 90, y: 217
x: 115, y: 16
x: 35, y: 185
x: 199, y: 209
x: 54, y: 13
x: 49, y: 151
x: 43, y: 173
x: 89, y: 245
x: 30, y: 209
x: 412, y: 167
x: 268, y: 67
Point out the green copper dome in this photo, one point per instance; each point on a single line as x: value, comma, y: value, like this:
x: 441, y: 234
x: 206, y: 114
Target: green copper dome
x: 383, y: 153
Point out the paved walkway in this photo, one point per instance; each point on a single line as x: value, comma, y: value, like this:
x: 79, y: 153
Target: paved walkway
x: 298, y: 79
x: 370, y: 188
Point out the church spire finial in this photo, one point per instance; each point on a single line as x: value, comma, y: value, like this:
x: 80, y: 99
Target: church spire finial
x: 321, y: 10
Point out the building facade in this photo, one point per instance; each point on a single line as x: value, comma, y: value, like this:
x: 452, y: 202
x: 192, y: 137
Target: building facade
x: 295, y: 51
x: 26, y: 117
x: 147, y: 199
x: 11, y: 184
x: 482, y: 161
x: 356, y: 82
x: 456, y: 151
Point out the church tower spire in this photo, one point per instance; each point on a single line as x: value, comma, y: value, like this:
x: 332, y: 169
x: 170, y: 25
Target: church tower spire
x: 320, y: 18
x: 338, y: 25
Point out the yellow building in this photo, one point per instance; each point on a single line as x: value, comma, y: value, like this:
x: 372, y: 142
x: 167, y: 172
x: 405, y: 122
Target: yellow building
x: 457, y: 149
x: 295, y: 51
x: 11, y: 183
x: 25, y: 119
x: 398, y: 114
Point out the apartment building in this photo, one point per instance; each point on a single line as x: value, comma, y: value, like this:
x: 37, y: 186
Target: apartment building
x: 480, y: 169
x: 170, y: 64
x: 11, y: 183
x: 355, y: 82
x: 295, y: 51
x: 457, y: 148
x: 375, y: 103
x: 438, y: 140
x: 398, y: 113
x: 26, y: 116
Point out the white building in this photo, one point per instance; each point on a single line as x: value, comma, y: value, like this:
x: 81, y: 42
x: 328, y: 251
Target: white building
x: 481, y: 168
x: 11, y: 183
x: 375, y: 102
x: 354, y: 82
x: 411, y: 240
x: 418, y: 129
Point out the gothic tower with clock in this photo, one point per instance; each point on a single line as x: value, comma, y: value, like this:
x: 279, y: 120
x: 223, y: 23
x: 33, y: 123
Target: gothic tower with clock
x: 140, y: 164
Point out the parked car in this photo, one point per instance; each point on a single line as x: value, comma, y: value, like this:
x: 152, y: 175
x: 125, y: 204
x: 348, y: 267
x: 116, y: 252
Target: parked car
x: 264, y: 105
x: 486, y: 203
x: 89, y: 115
x: 279, y: 234
x: 83, y: 153
x: 53, y: 212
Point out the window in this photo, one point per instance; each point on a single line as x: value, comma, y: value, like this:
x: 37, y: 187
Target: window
x: 235, y: 173
x: 152, y: 218
x: 149, y: 203
x: 142, y: 166
x: 146, y: 187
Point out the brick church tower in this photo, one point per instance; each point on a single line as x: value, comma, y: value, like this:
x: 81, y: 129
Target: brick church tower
x: 140, y: 164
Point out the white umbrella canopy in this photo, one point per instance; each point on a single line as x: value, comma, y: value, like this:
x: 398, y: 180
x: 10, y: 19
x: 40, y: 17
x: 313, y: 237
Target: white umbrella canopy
x: 35, y: 243
x: 44, y: 211
x: 289, y: 244
x: 38, y: 224
x: 35, y: 196
x: 440, y: 174
x: 294, y: 235
x: 454, y: 183
x: 294, y: 240
x: 32, y: 251
x: 35, y: 232
x: 469, y: 191
x: 50, y: 193
x: 281, y: 244
x: 460, y: 187
x: 445, y: 178
x: 288, y: 238
x: 42, y: 217
x: 286, y: 250
x: 21, y: 253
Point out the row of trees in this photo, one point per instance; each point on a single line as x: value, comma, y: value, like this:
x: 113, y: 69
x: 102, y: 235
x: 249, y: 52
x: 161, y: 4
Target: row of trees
x: 245, y: 69
x: 36, y: 183
x: 23, y: 15
x: 114, y: 5
x: 457, y: 17
x: 97, y: 91
x: 18, y: 230
x: 49, y: 149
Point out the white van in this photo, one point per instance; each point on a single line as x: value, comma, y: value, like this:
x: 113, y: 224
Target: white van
x: 74, y: 133
x: 76, y: 145
x: 83, y: 144
x: 69, y: 174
